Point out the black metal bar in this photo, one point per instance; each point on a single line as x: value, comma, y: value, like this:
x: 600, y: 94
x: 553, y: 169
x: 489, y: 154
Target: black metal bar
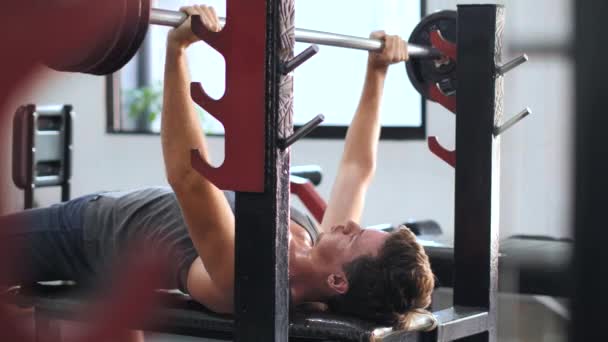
x: 28, y: 193
x: 477, y: 165
x: 28, y: 197
x: 302, y: 132
x: 67, y: 153
x: 295, y: 62
x: 589, y: 300
x: 262, y: 219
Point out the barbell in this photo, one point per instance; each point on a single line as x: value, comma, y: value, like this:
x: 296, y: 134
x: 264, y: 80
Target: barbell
x: 133, y: 17
x: 174, y: 19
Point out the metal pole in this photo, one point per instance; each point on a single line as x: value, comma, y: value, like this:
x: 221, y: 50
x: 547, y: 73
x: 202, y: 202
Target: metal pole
x: 174, y: 18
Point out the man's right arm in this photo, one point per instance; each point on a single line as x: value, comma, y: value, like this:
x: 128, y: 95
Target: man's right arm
x: 206, y: 211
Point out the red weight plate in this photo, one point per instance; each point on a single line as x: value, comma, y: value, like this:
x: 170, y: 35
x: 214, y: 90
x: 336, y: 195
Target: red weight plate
x: 131, y: 25
x: 81, y: 60
x: 142, y: 29
x: 121, y: 24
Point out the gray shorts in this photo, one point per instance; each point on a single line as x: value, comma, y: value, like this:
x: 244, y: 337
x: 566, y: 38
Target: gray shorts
x: 44, y: 244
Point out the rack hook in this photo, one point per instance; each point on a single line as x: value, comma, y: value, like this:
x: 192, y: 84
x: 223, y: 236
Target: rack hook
x: 512, y: 64
x: 441, y: 152
x: 498, y: 130
x: 302, y: 57
x: 302, y: 132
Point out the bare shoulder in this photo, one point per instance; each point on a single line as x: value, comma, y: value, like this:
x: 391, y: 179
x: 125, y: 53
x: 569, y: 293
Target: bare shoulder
x: 300, y: 233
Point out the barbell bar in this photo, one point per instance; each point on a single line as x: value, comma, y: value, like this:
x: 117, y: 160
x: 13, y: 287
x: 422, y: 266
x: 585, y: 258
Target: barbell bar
x: 165, y: 17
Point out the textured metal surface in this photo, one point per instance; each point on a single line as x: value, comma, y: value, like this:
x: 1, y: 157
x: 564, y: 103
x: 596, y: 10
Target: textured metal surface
x: 262, y: 219
x: 477, y: 166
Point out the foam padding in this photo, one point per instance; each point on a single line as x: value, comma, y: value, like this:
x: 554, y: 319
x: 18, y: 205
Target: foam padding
x: 181, y: 315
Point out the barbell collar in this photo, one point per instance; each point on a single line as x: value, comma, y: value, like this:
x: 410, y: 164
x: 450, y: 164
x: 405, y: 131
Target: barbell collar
x: 175, y: 18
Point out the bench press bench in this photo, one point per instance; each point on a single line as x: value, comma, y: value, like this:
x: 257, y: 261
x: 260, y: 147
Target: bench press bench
x: 179, y: 314
x: 536, y: 265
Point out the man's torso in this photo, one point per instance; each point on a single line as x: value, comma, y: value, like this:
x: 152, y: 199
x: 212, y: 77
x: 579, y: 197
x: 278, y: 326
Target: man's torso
x: 115, y: 222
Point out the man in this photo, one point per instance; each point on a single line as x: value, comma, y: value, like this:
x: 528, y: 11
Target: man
x: 368, y: 273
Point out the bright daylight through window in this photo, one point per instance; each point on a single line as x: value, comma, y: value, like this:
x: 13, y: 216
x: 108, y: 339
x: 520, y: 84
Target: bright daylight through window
x: 329, y: 83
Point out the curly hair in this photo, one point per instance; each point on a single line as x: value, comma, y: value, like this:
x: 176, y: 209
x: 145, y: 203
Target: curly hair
x: 389, y: 287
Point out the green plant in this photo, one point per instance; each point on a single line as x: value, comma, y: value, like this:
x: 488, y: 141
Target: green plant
x: 144, y: 102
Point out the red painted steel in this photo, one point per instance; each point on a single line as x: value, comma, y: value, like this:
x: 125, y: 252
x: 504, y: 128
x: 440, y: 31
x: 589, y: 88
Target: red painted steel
x: 445, y: 46
x: 441, y: 152
x: 241, y: 110
x: 310, y: 197
x: 450, y: 50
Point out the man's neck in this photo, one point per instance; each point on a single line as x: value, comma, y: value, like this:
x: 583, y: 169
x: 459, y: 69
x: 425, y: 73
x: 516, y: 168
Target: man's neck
x: 303, y: 276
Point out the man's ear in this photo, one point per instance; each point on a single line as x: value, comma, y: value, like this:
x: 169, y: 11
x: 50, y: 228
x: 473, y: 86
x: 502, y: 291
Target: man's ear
x: 338, y: 282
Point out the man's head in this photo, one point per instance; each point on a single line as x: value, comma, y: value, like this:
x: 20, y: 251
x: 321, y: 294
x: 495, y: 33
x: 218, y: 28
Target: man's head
x: 373, y: 274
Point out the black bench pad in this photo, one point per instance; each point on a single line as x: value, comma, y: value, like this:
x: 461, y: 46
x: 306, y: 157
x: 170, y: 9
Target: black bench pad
x: 181, y: 315
x: 527, y: 265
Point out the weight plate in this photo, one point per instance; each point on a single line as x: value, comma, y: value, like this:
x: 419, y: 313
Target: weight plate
x: 81, y: 60
x: 142, y: 28
x: 425, y: 73
x: 123, y: 27
x: 128, y: 32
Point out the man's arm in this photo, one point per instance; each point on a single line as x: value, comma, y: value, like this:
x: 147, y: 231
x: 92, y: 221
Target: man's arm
x: 205, y: 209
x: 358, y: 162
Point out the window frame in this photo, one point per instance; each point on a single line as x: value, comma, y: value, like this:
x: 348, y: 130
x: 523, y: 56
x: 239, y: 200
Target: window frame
x: 114, y: 115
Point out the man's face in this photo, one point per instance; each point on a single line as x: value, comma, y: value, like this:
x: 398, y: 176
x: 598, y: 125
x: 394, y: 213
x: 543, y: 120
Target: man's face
x: 344, y: 243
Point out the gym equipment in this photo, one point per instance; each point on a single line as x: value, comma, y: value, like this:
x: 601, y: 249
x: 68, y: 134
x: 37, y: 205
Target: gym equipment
x: 181, y: 315
x: 427, y: 64
x: 175, y: 18
x: 427, y: 73
x: 535, y: 265
x: 425, y: 228
x: 42, y: 149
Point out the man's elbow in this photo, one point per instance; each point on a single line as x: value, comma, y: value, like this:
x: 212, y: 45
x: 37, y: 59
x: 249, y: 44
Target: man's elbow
x: 221, y: 304
x: 183, y: 180
x: 364, y: 170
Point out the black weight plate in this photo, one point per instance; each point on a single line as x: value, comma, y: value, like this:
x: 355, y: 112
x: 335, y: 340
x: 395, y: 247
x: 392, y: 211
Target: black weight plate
x: 425, y: 72
x: 143, y: 23
x: 127, y: 35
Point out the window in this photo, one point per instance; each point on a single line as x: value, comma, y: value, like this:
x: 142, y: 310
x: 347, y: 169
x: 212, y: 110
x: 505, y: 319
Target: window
x: 329, y: 83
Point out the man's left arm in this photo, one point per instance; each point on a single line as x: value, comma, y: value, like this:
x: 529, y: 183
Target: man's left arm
x: 358, y: 163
